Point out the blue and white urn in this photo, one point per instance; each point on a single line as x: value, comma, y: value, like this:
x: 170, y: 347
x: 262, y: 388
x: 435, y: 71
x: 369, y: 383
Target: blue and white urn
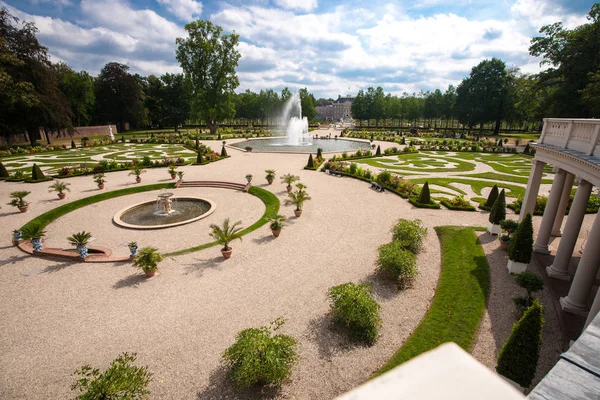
x: 133, y: 250
x: 36, y: 243
x: 17, y: 237
x: 83, y: 250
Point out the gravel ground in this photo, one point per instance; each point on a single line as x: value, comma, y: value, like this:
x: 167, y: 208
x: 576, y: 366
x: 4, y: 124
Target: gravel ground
x: 57, y: 315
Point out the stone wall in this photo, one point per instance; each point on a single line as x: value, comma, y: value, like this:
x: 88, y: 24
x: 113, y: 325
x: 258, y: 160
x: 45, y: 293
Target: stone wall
x: 80, y: 131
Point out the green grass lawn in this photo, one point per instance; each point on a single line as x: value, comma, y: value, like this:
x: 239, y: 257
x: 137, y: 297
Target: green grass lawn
x: 476, y: 186
x: 459, y: 301
x: 505, y: 178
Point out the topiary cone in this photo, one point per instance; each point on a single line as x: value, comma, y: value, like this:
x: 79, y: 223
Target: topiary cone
x: 223, y: 152
x: 3, y: 172
x: 425, y: 197
x: 521, y: 244
x: 37, y: 174
x: 311, y: 163
x: 498, y: 212
x: 492, y: 197
x: 378, y: 152
x: 519, y: 355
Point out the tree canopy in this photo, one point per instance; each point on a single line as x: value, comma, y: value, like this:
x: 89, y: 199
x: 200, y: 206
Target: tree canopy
x: 209, y: 58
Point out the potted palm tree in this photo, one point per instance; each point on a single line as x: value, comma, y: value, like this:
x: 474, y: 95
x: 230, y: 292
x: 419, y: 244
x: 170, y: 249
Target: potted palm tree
x: 60, y: 187
x: 289, y: 179
x: 297, y: 199
x: 34, y: 234
x: 133, y: 248
x: 249, y: 178
x: 99, y: 179
x: 276, y: 224
x: 270, y: 176
x: 147, y: 260
x: 226, y: 234
x: 80, y: 240
x: 172, y: 171
x: 137, y: 171
x: 18, y: 201
x: 180, y: 175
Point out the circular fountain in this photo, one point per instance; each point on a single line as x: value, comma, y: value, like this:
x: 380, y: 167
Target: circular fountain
x: 164, y: 212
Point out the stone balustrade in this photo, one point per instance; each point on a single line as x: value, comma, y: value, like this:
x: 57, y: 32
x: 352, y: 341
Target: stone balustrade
x: 582, y: 135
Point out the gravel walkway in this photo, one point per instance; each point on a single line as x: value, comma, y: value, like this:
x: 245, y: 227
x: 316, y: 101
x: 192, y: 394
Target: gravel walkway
x: 57, y: 315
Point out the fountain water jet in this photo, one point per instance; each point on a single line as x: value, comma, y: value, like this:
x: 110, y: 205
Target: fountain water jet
x: 296, y: 126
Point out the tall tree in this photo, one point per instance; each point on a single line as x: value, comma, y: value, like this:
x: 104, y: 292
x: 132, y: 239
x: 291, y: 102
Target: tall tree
x: 209, y: 58
x: 574, y: 60
x: 308, y: 103
x: 483, y: 96
x: 176, y: 99
x: 78, y: 88
x: 154, y: 101
x: 119, y: 97
x: 32, y: 98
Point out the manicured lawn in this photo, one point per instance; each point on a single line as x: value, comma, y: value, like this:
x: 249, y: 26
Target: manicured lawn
x: 476, y: 186
x: 504, y: 177
x: 460, y: 298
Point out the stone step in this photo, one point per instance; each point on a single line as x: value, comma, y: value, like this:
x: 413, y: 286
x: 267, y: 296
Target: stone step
x: 215, y: 184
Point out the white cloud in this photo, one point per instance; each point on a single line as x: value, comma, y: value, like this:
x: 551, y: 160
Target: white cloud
x: 302, y: 5
x: 542, y: 12
x: 185, y: 10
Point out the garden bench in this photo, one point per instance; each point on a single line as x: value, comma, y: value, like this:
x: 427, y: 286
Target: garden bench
x: 377, y: 186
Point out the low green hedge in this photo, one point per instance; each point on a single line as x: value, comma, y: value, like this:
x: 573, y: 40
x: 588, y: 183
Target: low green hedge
x: 415, y: 202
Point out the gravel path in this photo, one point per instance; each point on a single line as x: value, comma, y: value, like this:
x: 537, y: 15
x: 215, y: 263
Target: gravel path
x: 58, y: 315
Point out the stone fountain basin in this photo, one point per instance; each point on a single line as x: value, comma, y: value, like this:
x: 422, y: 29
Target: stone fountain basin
x: 151, y: 204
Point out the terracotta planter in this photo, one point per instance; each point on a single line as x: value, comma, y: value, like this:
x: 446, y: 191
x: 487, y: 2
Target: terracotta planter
x: 289, y: 188
x: 150, y: 273
x: 298, y: 213
x: 504, y: 245
x: 101, y: 186
x: 62, y: 196
x: 173, y: 176
x: 24, y: 209
x: 270, y: 181
x: 276, y: 233
x: 227, y: 253
x: 138, y: 179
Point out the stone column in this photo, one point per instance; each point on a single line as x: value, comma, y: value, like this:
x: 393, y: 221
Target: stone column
x: 543, y: 237
x: 533, y: 187
x: 576, y: 301
x: 567, y: 243
x: 594, y: 310
x: 562, y: 207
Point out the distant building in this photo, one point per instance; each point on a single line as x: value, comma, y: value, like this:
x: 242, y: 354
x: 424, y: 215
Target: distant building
x: 337, y: 110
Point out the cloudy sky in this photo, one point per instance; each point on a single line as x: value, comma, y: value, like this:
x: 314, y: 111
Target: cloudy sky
x: 332, y: 47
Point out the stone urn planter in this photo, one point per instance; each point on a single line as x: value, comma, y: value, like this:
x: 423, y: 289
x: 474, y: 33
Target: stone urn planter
x: 133, y: 250
x: 227, y: 253
x: 298, y: 213
x: 515, y: 267
x: 17, y: 237
x: 36, y: 243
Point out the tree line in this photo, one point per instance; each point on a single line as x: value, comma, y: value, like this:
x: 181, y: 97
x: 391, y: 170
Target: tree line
x: 36, y: 94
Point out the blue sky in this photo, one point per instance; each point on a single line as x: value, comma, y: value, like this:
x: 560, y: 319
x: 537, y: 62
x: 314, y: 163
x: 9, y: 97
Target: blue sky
x: 331, y: 47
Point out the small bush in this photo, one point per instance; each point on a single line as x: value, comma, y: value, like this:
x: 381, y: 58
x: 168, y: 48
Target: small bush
x: 37, y: 174
x: 531, y: 283
x: 519, y: 355
x: 409, y: 234
x: 384, y: 177
x: 311, y: 163
x: 491, y: 199
x: 397, y: 263
x: 121, y: 380
x: 520, y: 247
x: 259, y: 357
x: 354, y: 308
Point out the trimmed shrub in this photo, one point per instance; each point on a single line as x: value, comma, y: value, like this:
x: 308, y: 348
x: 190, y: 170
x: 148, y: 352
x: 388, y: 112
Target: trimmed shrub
x: 409, y: 234
x: 3, y: 172
x: 519, y: 355
x: 259, y: 357
x: 531, y: 283
x: 384, y: 177
x: 121, y: 380
x: 73, y: 144
x: 311, y: 163
x: 397, y: 263
x: 354, y: 308
x: 223, y: 152
x: 489, y: 203
x: 521, y: 244
x: 378, y: 151
x: 199, y: 159
x: 425, y: 197
x: 320, y: 153
x: 498, y: 212
x: 37, y: 174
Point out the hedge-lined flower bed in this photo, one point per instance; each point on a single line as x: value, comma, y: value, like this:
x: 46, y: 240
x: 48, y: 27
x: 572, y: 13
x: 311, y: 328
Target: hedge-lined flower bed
x: 458, y: 203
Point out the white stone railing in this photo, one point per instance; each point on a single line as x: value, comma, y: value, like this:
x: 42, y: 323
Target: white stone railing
x: 582, y: 135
